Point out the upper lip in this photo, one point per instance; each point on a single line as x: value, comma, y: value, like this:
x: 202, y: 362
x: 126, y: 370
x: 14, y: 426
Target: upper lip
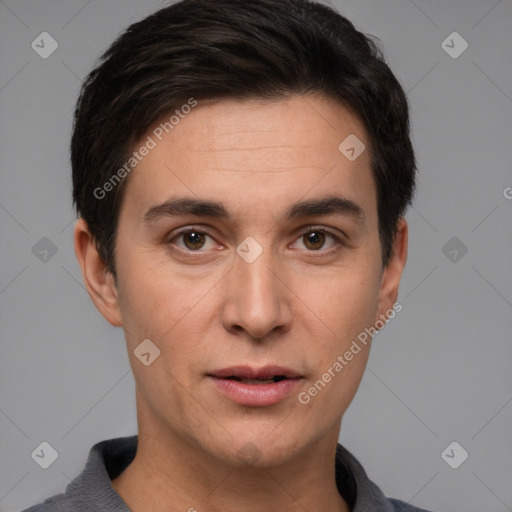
x: 248, y: 372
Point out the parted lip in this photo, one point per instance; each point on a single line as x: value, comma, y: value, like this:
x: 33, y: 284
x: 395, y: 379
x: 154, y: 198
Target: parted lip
x: 248, y: 372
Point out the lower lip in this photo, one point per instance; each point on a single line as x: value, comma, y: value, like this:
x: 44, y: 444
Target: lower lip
x: 256, y: 395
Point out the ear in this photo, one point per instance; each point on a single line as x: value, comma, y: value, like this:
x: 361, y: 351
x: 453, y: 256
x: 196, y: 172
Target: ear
x: 392, y: 272
x: 98, y: 280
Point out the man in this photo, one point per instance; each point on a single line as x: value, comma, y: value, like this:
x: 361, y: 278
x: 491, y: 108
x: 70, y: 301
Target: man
x: 241, y: 171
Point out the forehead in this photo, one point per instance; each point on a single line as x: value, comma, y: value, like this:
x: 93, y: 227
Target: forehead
x: 262, y: 154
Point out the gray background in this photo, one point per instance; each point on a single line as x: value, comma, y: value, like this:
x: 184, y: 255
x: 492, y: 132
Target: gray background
x: 439, y: 372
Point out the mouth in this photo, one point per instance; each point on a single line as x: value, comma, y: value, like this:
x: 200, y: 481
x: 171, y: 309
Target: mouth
x: 250, y: 375
x: 256, y: 387
x: 275, y: 378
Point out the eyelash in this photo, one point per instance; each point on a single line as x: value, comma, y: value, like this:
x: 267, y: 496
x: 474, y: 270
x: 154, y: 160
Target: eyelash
x: 312, y: 229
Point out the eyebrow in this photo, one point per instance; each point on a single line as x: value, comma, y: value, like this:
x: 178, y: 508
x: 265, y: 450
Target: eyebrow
x: 186, y: 206
x: 204, y: 208
x: 327, y: 206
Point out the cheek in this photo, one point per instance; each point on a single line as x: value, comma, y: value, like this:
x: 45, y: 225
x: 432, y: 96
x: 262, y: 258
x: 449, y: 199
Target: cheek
x: 346, y: 382
x: 345, y: 305
x: 151, y: 303
x: 172, y: 310
x: 344, y: 308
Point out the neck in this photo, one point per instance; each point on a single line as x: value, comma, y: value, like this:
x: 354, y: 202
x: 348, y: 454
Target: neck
x: 169, y: 474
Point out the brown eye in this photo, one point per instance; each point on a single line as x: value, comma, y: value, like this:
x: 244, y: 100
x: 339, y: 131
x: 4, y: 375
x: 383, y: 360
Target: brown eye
x: 193, y: 240
x: 314, y: 240
x: 318, y: 240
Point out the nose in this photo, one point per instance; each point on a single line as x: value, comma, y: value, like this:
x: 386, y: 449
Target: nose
x: 257, y: 300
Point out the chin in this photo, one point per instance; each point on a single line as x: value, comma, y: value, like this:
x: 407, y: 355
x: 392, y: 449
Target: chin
x: 256, y: 450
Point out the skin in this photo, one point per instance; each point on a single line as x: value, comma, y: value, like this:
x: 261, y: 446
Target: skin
x: 298, y: 304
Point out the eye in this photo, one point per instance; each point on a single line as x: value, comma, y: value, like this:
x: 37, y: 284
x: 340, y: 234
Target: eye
x: 315, y: 239
x: 193, y: 240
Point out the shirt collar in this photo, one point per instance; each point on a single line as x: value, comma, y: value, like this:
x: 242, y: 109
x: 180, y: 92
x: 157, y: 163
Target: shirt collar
x: 109, y: 458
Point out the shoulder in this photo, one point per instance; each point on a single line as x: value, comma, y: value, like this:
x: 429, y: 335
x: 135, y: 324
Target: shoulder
x: 57, y: 503
x: 401, y: 506
x: 363, y: 494
x: 92, y: 490
x: 71, y: 503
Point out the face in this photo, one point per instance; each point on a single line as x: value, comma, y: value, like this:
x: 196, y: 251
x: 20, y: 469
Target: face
x: 248, y: 253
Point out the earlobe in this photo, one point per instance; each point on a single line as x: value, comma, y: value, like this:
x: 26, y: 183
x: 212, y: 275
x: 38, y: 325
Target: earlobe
x: 392, y: 273
x: 98, y: 281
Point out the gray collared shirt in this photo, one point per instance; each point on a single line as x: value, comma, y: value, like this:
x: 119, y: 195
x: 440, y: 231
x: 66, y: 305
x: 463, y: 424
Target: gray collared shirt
x: 92, y: 490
